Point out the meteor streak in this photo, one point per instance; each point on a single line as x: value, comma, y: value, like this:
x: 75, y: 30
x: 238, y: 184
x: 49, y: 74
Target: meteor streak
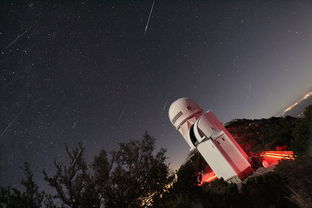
x: 75, y: 123
x: 11, y: 123
x: 122, y: 112
x: 149, y: 17
x: 18, y: 37
x: 164, y: 107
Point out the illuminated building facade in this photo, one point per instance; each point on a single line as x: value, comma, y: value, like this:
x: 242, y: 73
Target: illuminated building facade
x: 203, y: 131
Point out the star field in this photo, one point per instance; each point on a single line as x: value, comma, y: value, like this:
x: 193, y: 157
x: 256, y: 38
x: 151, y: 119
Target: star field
x: 90, y: 71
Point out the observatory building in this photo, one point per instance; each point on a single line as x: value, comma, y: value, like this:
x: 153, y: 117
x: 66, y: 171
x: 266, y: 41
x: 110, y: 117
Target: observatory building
x: 203, y: 131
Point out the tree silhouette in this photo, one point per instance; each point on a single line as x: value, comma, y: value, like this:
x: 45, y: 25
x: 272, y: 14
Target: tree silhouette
x: 131, y: 176
x: 30, y: 198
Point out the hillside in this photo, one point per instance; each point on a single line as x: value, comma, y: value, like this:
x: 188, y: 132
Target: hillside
x: 289, y: 185
x: 263, y: 134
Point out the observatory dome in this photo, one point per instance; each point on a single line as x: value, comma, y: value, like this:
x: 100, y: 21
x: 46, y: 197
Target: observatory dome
x: 181, y: 110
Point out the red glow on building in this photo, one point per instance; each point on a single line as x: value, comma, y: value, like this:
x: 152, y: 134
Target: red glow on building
x: 267, y: 158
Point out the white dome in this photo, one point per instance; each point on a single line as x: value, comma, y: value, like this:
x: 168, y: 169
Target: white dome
x: 181, y: 110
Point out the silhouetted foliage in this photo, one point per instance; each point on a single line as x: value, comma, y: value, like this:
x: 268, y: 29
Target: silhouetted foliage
x: 302, y: 134
x: 268, y: 190
x: 265, y: 134
x: 186, y: 182
x: 72, y: 182
x: 30, y: 198
x: 297, y: 177
x: 134, y: 175
x: 131, y: 176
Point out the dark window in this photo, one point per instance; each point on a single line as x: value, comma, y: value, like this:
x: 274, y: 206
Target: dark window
x: 192, y: 135
x: 189, y: 107
x: 222, y: 138
x: 177, y: 117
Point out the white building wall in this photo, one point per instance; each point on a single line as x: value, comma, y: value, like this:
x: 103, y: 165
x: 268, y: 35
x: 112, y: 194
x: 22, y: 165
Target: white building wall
x: 215, y: 122
x: 237, y: 159
x: 216, y: 160
x: 220, y: 151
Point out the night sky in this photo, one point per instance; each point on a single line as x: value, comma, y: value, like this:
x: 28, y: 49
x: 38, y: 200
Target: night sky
x: 87, y: 71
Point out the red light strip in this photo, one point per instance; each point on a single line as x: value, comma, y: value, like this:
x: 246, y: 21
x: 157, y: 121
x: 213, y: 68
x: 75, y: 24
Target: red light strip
x: 273, y: 153
x: 210, y: 179
x: 288, y: 157
x: 277, y: 154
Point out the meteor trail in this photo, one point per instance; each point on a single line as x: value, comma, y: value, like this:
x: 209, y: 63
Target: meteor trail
x: 75, y: 123
x: 163, y: 110
x: 18, y: 37
x: 122, y: 112
x: 149, y: 17
x: 10, y: 124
